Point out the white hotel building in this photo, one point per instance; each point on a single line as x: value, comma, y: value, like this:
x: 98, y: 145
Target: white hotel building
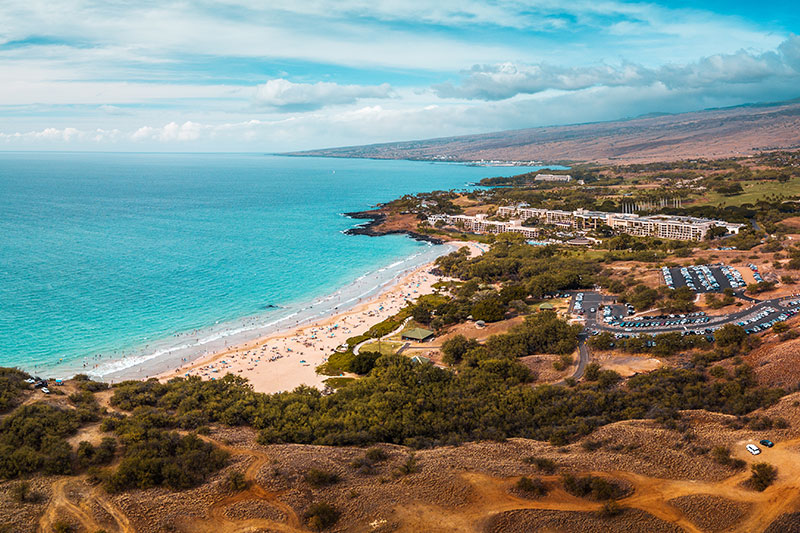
x: 663, y: 226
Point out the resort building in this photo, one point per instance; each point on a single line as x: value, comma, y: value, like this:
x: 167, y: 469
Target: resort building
x: 553, y: 177
x: 664, y: 226
x: 482, y: 224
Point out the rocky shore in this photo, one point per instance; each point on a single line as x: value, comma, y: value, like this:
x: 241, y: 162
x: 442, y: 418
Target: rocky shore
x: 376, y: 219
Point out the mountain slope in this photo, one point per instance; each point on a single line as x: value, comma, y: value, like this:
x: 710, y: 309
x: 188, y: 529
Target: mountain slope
x: 712, y: 133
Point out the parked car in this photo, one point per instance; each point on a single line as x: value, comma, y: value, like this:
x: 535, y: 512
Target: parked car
x: 45, y: 390
x: 766, y: 442
x: 752, y: 448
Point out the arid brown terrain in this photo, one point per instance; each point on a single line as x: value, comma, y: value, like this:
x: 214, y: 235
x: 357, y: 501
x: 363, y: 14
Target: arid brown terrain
x: 670, y: 486
x: 712, y: 134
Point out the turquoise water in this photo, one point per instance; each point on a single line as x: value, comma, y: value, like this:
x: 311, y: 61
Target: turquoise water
x: 115, y: 254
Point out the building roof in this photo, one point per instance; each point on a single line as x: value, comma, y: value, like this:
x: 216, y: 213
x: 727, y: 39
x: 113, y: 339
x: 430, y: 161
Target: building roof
x: 420, y: 359
x: 417, y: 334
x: 547, y: 306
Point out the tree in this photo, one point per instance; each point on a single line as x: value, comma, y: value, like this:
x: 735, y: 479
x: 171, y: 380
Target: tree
x: 454, y: 349
x: 364, y: 362
x: 716, y: 231
x: 780, y: 327
x: 592, y: 372
x: 422, y: 313
x: 730, y: 335
x: 489, y: 310
x: 642, y: 297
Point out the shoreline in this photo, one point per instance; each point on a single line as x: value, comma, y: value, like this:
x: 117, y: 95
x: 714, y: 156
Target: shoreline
x: 192, y: 346
x: 286, y: 359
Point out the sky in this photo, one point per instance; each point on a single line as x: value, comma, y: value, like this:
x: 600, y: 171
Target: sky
x: 281, y: 75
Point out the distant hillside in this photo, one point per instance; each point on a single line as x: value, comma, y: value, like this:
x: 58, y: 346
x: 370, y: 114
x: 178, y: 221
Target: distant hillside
x: 711, y: 133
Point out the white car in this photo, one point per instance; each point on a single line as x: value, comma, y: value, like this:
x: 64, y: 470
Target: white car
x: 45, y: 390
x: 752, y: 448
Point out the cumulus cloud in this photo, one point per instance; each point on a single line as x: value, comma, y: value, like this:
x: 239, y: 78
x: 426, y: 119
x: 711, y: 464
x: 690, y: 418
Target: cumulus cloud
x: 505, y: 80
x: 188, y: 131
x: 285, y: 95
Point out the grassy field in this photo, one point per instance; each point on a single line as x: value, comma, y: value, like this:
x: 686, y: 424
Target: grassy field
x: 386, y: 347
x: 753, y: 191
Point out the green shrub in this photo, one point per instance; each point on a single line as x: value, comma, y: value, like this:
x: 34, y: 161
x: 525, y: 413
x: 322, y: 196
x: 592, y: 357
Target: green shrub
x: 410, y: 466
x: 376, y: 455
x: 22, y: 493
x: 762, y: 475
x: 12, y: 383
x: 534, y: 487
x: 319, y: 478
x: 610, y: 509
x: 236, y: 481
x: 593, y: 487
x: 548, y: 466
x: 320, y: 516
x: 62, y: 526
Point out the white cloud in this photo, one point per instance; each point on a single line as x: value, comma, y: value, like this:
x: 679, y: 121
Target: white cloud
x: 188, y: 131
x: 506, y: 80
x: 283, y: 94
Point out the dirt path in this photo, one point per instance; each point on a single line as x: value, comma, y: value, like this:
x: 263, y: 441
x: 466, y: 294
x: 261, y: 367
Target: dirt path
x: 80, y: 514
x: 492, y: 495
x: 650, y: 494
x: 61, y: 508
x: 219, y: 522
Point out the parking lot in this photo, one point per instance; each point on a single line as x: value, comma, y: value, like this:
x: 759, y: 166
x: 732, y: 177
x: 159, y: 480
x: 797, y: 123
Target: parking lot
x: 585, y: 302
x: 703, y: 278
x: 755, y: 319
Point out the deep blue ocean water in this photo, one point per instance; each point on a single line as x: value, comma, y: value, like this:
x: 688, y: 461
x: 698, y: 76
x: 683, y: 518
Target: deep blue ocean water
x: 108, y: 253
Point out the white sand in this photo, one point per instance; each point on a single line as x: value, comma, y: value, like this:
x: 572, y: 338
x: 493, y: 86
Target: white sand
x: 286, y: 360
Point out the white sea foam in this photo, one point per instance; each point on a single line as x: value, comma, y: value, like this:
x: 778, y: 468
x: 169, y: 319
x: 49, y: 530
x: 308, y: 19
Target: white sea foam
x: 167, y: 354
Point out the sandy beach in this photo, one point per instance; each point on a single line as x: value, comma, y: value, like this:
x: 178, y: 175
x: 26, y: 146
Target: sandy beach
x: 287, y: 359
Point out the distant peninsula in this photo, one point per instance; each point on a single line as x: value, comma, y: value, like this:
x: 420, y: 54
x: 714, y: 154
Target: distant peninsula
x: 710, y: 134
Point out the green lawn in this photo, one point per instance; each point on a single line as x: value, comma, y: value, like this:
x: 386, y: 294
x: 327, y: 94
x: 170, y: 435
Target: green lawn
x: 386, y: 347
x: 753, y: 191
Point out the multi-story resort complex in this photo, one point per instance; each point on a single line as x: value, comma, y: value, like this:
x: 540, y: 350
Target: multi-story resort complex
x: 663, y: 226
x: 482, y: 224
x: 553, y: 177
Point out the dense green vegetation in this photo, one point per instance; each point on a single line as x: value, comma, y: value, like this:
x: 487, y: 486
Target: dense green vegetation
x: 420, y: 405
x: 157, y: 458
x: 12, y: 383
x: 33, y: 439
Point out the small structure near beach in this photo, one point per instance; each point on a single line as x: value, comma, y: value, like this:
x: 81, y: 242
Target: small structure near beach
x: 417, y: 335
x: 547, y: 306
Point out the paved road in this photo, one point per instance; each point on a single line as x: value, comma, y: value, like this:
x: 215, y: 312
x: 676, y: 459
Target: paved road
x: 742, y: 296
x: 583, y: 357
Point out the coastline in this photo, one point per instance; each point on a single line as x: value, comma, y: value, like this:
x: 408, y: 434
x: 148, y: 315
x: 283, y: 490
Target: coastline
x: 202, y: 345
x: 375, y: 218
x: 288, y: 358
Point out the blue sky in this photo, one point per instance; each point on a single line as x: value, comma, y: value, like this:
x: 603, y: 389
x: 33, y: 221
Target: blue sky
x: 240, y: 75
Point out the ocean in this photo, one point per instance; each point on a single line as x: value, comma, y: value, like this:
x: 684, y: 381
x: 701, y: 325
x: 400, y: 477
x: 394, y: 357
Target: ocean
x: 108, y: 261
